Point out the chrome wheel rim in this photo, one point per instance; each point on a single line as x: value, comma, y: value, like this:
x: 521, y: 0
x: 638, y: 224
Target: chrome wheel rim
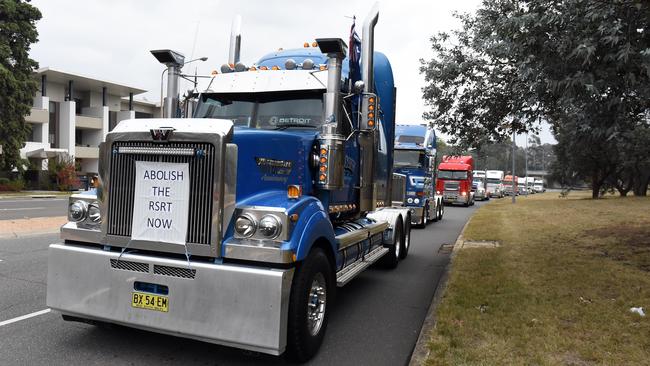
x: 398, y: 245
x: 316, y: 304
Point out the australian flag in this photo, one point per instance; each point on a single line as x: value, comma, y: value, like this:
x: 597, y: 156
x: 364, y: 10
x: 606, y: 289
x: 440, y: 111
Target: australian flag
x: 355, y: 54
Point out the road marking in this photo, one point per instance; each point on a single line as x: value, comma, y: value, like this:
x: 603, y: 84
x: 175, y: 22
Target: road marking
x: 37, y: 313
x: 24, y: 208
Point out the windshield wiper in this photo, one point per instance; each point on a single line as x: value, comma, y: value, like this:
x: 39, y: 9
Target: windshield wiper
x: 284, y: 126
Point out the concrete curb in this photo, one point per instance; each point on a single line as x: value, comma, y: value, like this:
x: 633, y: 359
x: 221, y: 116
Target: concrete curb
x: 421, y: 351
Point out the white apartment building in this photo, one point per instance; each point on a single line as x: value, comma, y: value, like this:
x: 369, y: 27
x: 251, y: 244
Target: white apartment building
x: 72, y: 114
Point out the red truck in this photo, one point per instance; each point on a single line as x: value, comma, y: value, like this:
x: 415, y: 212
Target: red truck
x: 455, y: 180
x: 507, y: 185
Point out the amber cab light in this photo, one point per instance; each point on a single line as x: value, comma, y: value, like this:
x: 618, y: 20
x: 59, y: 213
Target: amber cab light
x: 294, y: 191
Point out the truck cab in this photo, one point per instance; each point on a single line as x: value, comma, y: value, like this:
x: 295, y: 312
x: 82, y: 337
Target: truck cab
x: 539, y: 186
x: 494, y: 184
x: 455, y: 180
x: 415, y: 154
x: 479, y: 185
x: 236, y: 226
x: 510, y: 187
x: 522, y: 188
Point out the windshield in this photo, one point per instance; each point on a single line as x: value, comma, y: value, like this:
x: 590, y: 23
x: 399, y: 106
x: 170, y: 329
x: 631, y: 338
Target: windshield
x: 494, y: 180
x: 452, y: 174
x: 264, y: 110
x: 411, y: 158
x: 411, y: 139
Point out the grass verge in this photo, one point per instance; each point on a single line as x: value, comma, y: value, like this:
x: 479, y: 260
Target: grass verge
x: 559, y: 289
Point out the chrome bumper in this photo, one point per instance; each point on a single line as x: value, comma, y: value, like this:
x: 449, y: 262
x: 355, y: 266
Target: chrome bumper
x: 232, y: 305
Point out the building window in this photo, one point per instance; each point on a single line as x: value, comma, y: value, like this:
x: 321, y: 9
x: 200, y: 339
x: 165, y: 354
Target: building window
x: 112, y: 120
x: 143, y: 115
x: 53, y: 125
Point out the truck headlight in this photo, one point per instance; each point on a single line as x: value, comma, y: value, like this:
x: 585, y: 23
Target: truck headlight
x: 416, y: 201
x: 270, y: 226
x: 409, y: 200
x: 77, y: 211
x: 94, y: 214
x: 245, y: 225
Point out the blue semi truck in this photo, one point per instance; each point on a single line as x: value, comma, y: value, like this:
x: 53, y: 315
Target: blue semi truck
x: 415, y: 157
x: 236, y: 226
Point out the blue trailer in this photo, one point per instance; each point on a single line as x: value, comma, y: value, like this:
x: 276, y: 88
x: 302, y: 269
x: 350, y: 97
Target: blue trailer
x: 236, y: 226
x: 415, y: 157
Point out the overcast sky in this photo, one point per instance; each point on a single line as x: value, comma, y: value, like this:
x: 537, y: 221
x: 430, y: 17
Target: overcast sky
x: 111, y: 39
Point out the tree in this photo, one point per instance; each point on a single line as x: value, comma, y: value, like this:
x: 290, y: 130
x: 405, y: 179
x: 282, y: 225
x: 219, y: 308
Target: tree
x: 17, y: 86
x: 581, y: 65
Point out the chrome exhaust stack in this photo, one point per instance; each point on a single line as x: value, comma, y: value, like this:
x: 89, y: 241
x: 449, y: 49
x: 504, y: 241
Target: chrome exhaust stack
x: 235, y: 41
x: 368, y: 49
x: 331, y: 143
x: 174, y: 62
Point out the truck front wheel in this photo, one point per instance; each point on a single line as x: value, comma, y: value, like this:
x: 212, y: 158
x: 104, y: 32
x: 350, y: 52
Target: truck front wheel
x: 311, y: 292
x: 391, y: 259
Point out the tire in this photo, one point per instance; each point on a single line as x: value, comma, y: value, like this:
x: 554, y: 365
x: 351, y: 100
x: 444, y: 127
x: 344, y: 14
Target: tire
x: 311, y: 291
x: 391, y: 259
x: 436, y: 217
x: 424, y: 220
x: 406, y: 239
x: 442, y: 212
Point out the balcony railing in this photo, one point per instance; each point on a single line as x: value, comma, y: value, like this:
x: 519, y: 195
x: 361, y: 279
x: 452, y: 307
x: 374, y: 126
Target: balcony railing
x: 88, y: 122
x: 38, y: 116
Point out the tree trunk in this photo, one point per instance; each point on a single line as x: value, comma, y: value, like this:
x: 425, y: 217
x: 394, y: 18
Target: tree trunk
x: 641, y: 188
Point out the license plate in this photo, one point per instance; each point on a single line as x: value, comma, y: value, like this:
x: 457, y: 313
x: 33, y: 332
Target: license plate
x: 149, y: 301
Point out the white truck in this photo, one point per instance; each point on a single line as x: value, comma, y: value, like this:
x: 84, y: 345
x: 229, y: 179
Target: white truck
x: 494, y: 183
x: 479, y: 185
x: 521, y: 185
x: 539, y: 186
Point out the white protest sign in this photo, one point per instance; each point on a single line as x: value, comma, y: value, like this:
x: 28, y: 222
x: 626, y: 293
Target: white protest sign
x: 161, y: 202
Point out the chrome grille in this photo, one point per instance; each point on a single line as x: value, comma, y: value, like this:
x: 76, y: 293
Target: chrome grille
x: 451, y: 186
x: 174, y: 271
x: 130, y: 266
x: 122, y: 184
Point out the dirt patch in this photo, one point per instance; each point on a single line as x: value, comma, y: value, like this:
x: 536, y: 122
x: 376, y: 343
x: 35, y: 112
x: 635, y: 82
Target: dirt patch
x: 34, y: 226
x: 624, y: 243
x: 636, y: 236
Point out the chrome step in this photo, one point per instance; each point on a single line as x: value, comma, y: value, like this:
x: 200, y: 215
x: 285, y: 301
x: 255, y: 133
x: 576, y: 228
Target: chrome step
x: 348, y: 273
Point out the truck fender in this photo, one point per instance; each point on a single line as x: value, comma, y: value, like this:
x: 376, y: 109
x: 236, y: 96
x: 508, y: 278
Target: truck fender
x: 317, y: 227
x: 391, y: 215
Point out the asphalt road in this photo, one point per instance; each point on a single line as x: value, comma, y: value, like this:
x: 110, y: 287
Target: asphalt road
x: 375, y: 321
x: 21, y: 208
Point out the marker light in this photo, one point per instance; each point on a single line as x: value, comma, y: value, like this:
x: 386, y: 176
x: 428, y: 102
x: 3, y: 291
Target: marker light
x: 290, y: 64
x: 322, y: 177
x: 264, y: 68
x: 323, y: 168
x: 371, y: 107
x: 323, y: 151
x: 371, y: 123
x: 371, y: 115
x: 294, y: 191
x: 252, y: 68
x: 322, y: 67
x: 371, y: 100
x: 306, y: 45
x: 308, y: 64
x: 314, y: 44
x: 323, y: 160
x: 214, y: 72
x: 275, y: 67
